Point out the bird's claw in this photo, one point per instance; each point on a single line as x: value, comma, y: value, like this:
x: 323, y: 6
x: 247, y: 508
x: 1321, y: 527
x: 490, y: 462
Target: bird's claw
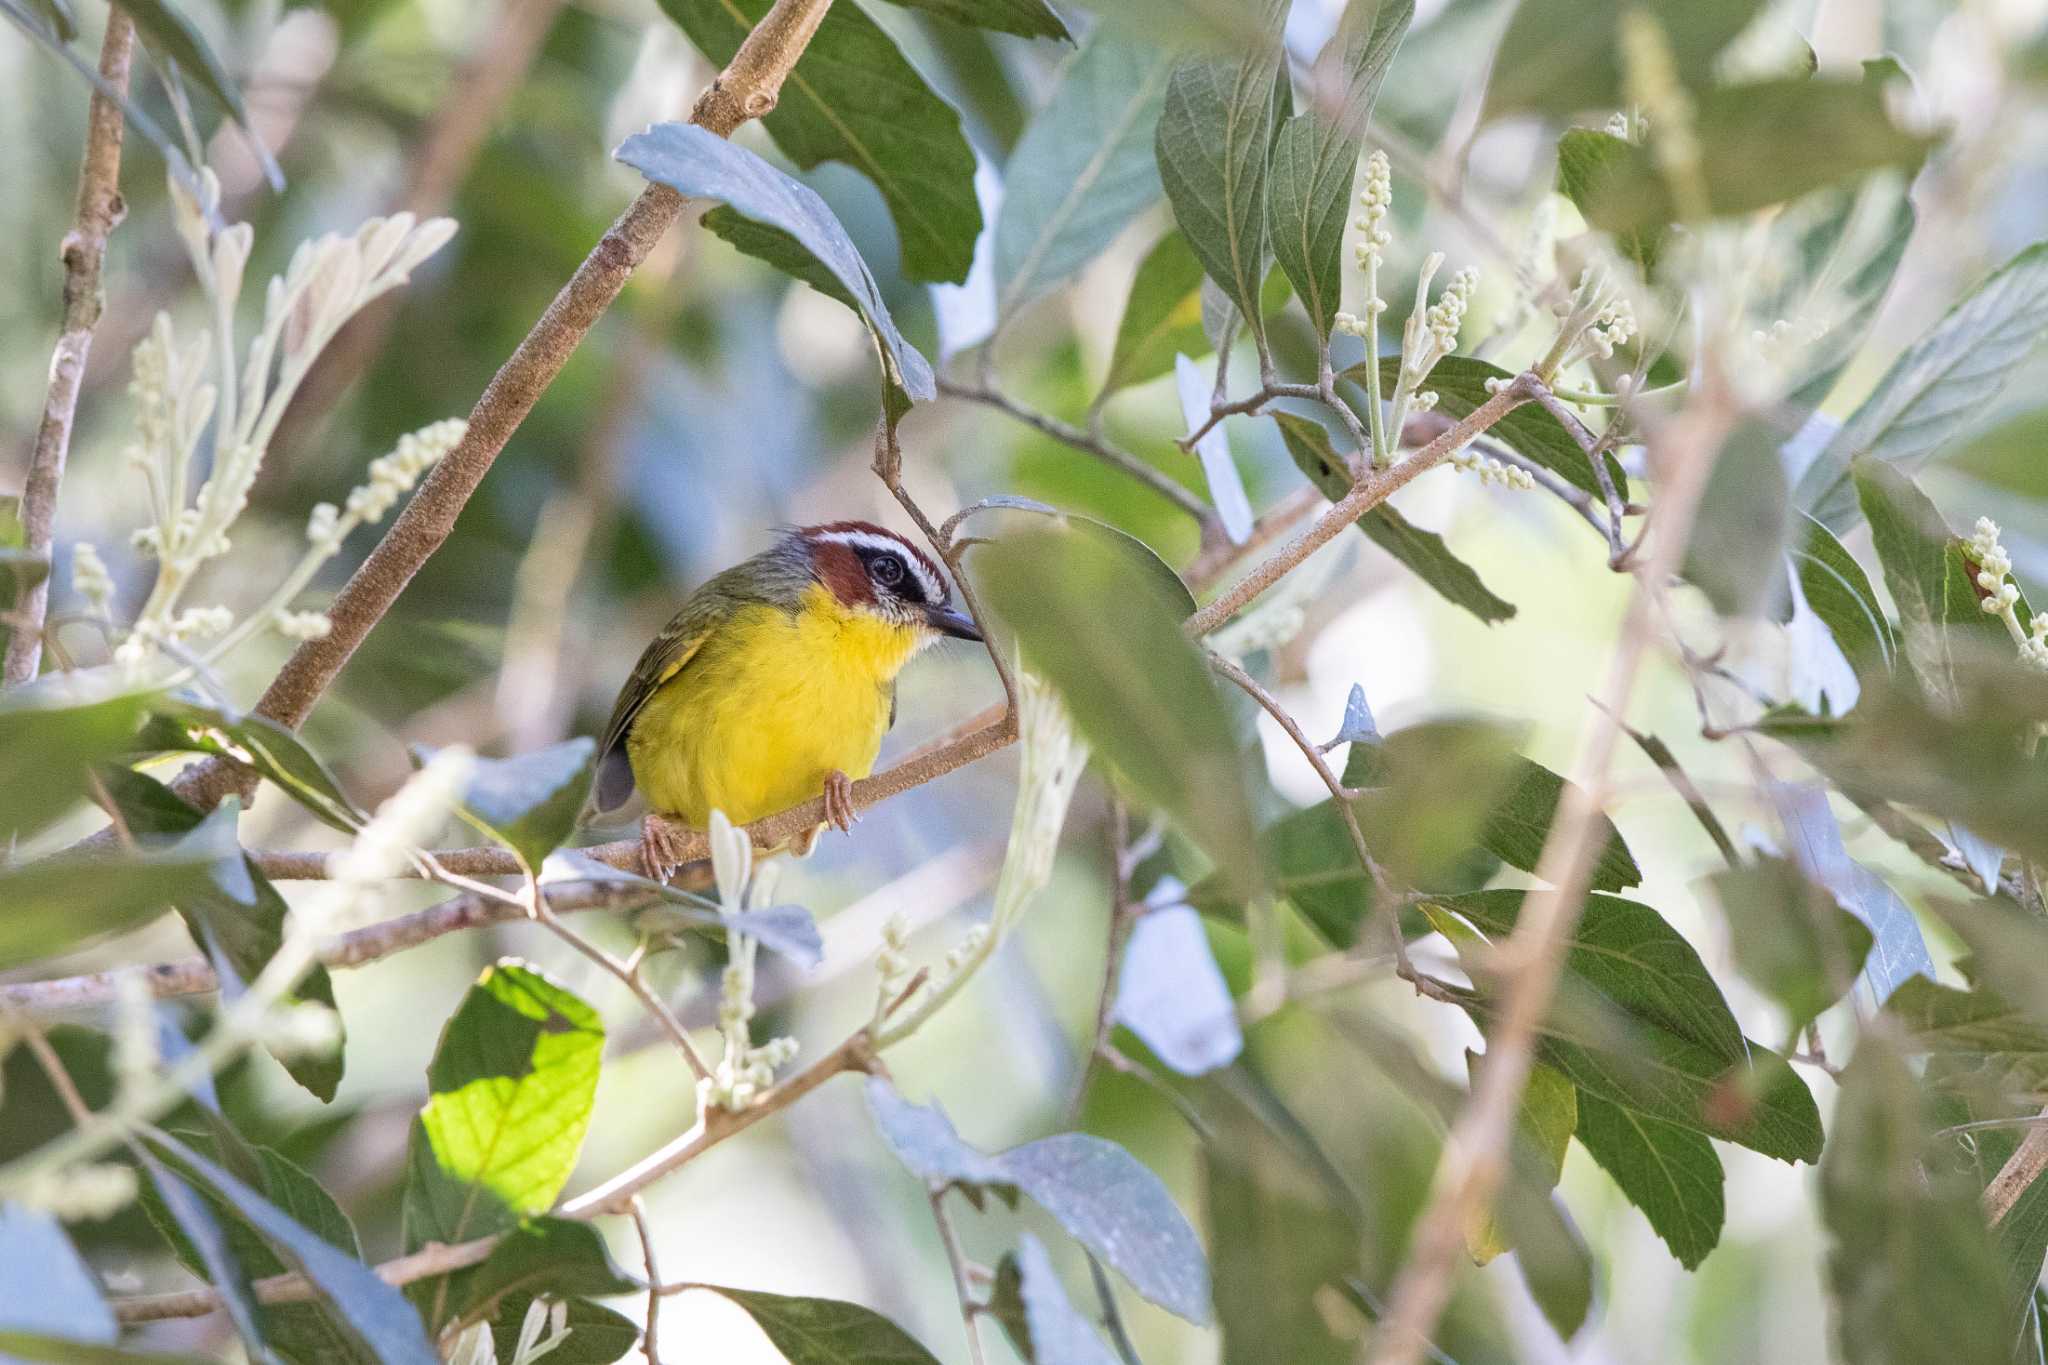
x: 839, y: 808
x: 661, y: 846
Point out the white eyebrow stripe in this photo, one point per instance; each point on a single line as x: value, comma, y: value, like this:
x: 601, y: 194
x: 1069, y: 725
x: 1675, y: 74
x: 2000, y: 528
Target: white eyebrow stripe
x: 935, y: 591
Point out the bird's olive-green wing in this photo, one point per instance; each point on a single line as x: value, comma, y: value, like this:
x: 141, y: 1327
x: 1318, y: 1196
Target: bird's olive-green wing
x: 664, y: 657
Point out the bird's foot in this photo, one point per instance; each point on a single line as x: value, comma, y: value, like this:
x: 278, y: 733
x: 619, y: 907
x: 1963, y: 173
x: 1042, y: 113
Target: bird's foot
x: 661, y: 846
x: 839, y: 808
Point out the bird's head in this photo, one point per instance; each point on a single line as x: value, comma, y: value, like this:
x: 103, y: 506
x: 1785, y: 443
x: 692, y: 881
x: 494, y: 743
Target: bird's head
x: 870, y: 569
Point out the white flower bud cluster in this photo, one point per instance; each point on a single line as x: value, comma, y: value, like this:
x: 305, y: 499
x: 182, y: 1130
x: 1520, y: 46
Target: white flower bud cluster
x: 1377, y: 198
x: 135, y: 1055
x: 1594, y: 321
x: 2001, y: 595
x: 1447, y: 314
x: 393, y: 475
x: 1492, y: 471
x: 1613, y: 325
x: 199, y: 623
x: 90, y: 578
x: 88, y: 1192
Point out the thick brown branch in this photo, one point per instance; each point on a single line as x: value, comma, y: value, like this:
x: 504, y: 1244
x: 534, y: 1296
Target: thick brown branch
x: 85, y: 255
x: 748, y: 88
x: 2020, y: 1171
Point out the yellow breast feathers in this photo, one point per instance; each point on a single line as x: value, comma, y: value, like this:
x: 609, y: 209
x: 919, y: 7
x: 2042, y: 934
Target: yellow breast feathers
x: 773, y: 703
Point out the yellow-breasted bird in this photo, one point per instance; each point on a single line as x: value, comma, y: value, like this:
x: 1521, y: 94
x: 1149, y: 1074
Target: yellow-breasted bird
x: 774, y: 683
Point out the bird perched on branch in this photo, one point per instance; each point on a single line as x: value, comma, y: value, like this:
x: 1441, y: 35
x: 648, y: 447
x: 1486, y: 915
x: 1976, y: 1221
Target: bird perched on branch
x: 774, y: 683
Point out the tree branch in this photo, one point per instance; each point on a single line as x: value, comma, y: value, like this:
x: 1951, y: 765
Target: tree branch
x: 1089, y: 444
x: 1530, y: 960
x: 2020, y: 1171
x: 749, y: 87
x: 85, y: 255
x: 1368, y: 493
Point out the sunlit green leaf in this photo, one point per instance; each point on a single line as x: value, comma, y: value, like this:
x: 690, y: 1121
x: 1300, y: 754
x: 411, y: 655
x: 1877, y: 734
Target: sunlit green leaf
x: 192, y: 724
x: 1839, y: 592
x: 510, y: 1093
x: 1586, y: 158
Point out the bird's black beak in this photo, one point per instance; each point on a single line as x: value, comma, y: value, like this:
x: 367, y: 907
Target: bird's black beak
x: 946, y: 621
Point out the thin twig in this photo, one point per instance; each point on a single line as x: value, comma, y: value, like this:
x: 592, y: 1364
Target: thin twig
x: 1114, y: 456
x: 1123, y: 917
x: 1531, y: 959
x: 85, y: 253
x: 650, y: 1341
x: 2018, y: 1174
x: 963, y: 1280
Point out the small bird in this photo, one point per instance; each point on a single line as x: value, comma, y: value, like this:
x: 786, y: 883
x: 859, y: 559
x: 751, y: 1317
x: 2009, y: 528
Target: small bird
x: 774, y: 683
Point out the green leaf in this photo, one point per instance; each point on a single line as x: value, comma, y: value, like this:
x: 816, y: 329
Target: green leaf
x: 556, y: 1257
x: 1519, y: 823
x: 375, y: 1316
x: 1460, y: 384
x: 773, y: 246
x: 1214, y: 144
x: 1315, y: 153
x: 1025, y: 18
x: 1639, y: 1023
x: 1041, y: 1322
x: 597, y: 1335
x: 1850, y: 241
x: 1789, y: 937
x: 1224, y: 26
x: 1563, y: 57
x: 2021, y: 1237
x: 2007, y: 943
x: 175, y: 38
x: 1083, y: 168
x: 1162, y: 318
x: 855, y: 98
x: 1755, y: 142
x: 1934, y: 394
x: 1914, y: 1278
x: 49, y: 1287
x: 55, y: 904
x: 1983, y: 1044
x: 1092, y: 616
x: 1671, y: 1173
x: 312, y: 1332
x: 1737, y: 550
x: 61, y: 18
x: 1839, y: 592
x: 2005, y: 456
x: 529, y: 802
x: 51, y: 732
x: 1544, y: 1122
x: 826, y: 1331
x: 1587, y: 159
x: 1632, y: 958
x: 510, y: 1093
x: 186, y: 723
x: 1424, y: 553
x: 237, y: 919
x: 694, y: 162
x: 211, y: 1253
x: 1173, y: 996
x: 1928, y: 577
x: 1096, y: 1190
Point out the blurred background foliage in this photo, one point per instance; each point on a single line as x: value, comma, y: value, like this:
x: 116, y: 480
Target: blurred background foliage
x: 719, y: 399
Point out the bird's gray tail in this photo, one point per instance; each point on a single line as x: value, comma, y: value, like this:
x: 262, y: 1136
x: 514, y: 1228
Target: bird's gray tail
x: 614, y: 779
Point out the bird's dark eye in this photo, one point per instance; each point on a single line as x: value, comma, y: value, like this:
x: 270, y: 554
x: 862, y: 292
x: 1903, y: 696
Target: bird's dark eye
x: 887, y: 570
